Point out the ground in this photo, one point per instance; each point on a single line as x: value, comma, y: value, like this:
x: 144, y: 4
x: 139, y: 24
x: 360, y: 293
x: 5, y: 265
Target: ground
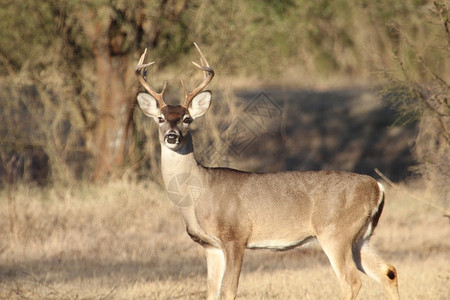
x: 126, y: 241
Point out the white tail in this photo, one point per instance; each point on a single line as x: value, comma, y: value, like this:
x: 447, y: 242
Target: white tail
x: 227, y: 211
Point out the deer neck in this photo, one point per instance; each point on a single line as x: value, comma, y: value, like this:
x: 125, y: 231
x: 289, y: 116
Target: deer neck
x: 182, y: 163
x: 177, y: 162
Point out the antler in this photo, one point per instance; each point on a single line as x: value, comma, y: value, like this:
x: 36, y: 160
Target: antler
x: 209, y: 74
x: 141, y: 77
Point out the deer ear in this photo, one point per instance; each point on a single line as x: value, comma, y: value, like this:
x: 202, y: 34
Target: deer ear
x: 148, y: 105
x: 200, y: 104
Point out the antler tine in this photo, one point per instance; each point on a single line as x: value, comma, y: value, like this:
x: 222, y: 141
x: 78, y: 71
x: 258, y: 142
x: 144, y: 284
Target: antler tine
x: 209, y: 74
x: 141, y: 77
x: 201, y: 54
x: 184, y: 88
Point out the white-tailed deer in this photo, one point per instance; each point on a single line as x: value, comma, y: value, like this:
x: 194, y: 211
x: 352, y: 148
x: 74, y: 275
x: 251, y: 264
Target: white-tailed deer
x: 227, y: 211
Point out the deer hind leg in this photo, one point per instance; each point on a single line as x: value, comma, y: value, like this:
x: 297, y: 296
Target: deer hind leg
x: 215, y: 259
x: 370, y: 263
x: 341, y: 259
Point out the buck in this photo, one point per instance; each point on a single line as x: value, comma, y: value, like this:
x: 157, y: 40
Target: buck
x: 233, y: 210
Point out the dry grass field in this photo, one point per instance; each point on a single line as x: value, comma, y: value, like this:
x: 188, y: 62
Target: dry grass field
x: 126, y: 241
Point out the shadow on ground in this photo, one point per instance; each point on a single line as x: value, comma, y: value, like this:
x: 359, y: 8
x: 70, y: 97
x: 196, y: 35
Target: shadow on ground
x: 345, y: 129
x: 128, y: 271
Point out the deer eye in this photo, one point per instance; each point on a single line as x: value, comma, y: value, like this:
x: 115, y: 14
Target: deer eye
x: 160, y: 120
x: 187, y: 121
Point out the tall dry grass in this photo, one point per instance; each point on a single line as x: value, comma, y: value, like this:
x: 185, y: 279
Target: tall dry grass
x: 125, y: 240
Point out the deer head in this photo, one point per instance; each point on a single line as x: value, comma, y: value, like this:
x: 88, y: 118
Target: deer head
x: 174, y: 120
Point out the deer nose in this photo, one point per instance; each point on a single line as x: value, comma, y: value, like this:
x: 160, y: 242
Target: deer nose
x: 172, y: 137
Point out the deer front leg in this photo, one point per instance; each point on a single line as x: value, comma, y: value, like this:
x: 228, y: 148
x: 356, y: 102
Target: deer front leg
x: 234, y: 254
x: 215, y: 259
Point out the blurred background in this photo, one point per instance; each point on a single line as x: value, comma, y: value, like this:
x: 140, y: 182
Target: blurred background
x: 299, y: 85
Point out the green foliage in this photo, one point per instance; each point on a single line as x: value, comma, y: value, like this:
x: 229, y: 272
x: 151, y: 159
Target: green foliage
x: 26, y: 31
x: 246, y: 37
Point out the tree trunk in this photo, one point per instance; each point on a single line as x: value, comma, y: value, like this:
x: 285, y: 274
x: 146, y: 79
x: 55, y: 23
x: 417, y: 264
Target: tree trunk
x: 114, y: 104
x: 111, y: 132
